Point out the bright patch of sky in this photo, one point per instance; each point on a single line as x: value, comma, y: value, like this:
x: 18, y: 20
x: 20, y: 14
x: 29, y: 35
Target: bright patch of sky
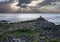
x: 4, y: 0
x: 55, y: 4
x: 35, y: 2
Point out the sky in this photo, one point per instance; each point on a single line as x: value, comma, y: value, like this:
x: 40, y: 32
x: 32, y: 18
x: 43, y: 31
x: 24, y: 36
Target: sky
x: 4, y: 0
x: 29, y: 6
x: 24, y: 17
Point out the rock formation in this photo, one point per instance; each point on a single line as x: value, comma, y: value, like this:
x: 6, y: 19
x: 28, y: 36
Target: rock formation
x: 38, y: 29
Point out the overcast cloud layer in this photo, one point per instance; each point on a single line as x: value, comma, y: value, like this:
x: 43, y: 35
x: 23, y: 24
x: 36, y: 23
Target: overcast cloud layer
x: 31, y: 6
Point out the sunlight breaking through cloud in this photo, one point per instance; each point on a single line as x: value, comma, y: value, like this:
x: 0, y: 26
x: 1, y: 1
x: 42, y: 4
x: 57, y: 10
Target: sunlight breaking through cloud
x: 35, y: 2
x: 14, y: 4
x: 30, y: 6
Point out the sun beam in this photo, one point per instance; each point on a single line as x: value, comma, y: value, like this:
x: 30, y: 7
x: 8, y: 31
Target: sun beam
x: 14, y: 4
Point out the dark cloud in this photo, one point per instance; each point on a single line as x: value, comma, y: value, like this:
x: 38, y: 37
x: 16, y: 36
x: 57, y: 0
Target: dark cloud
x: 48, y: 2
x: 23, y: 6
x: 23, y: 2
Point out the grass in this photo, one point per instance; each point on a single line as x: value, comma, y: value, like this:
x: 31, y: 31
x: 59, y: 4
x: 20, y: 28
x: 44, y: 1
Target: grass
x: 19, y: 32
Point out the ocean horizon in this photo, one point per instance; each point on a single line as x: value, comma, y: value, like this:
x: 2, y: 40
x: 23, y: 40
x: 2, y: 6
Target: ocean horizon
x: 55, y: 18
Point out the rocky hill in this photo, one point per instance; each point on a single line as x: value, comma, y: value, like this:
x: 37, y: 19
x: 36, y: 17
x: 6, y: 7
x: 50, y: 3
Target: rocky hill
x: 38, y: 30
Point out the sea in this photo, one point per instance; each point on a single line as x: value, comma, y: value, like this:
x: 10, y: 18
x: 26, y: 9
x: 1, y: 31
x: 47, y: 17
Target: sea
x: 55, y: 18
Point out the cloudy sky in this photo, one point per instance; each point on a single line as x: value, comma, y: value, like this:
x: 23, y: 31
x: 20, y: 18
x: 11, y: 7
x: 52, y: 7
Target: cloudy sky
x: 30, y: 6
x: 24, y: 17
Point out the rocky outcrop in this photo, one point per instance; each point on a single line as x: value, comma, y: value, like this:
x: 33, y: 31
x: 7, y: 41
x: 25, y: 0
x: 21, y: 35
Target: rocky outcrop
x: 4, y: 22
x: 38, y: 23
x: 34, y: 27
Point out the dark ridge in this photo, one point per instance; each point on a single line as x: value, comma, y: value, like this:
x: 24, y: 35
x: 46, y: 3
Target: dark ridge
x: 3, y: 21
x: 38, y: 19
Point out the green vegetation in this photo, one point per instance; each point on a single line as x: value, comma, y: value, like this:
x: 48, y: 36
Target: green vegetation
x: 36, y: 34
x: 54, y: 40
x: 19, y: 32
